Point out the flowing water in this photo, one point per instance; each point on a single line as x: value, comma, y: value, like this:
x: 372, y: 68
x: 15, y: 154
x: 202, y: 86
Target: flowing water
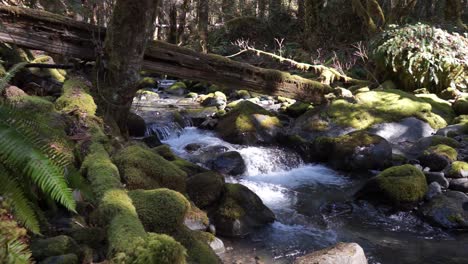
x: 315, y: 209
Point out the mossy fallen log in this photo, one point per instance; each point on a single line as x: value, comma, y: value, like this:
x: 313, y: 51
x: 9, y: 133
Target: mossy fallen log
x: 36, y: 29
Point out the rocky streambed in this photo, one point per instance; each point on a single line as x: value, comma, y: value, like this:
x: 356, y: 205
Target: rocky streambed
x: 321, y: 176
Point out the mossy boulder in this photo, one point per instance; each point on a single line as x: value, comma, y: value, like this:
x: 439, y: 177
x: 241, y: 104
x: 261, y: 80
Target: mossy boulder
x: 197, y: 244
x: 248, y: 123
x: 156, y: 248
x: 204, y: 189
x: 75, y: 97
x: 400, y: 186
x: 381, y: 106
x: 160, y: 210
x: 217, y: 99
x: 187, y: 166
x: 461, y: 106
x: 54, y: 246
x: 358, y: 150
x: 297, y: 109
x: 449, y: 93
x: 178, y: 88
x: 142, y: 168
x: 90, y: 236
x: 146, y: 96
x: 240, y: 211
x: 447, y: 210
x: 438, y: 157
x: 458, y: 169
x: 241, y: 94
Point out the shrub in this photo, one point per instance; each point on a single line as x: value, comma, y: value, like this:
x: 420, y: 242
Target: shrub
x: 420, y: 55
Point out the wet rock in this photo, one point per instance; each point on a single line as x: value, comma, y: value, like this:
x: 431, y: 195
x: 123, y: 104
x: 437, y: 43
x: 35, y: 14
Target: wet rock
x: 458, y: 169
x: 240, y: 211
x: 355, y: 151
x: 54, y: 246
x: 459, y: 185
x: 438, y: 157
x: 217, y: 99
x: 297, y: 109
x: 433, y: 190
x: 192, y: 147
x: 13, y: 91
x: 218, y: 246
x: 401, y: 186
x: 438, y: 177
x: 342, y: 253
x: 62, y: 259
x: 424, y: 143
x: 205, y: 188
x: 152, y: 141
x: 453, y: 130
x: 136, y: 125
x: 178, y: 88
x: 448, y: 210
x: 408, y: 129
x: 230, y: 163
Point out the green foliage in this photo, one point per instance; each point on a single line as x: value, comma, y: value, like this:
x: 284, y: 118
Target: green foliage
x: 10, y: 74
x: 457, y: 169
x: 161, y: 249
x: 421, y: 55
x: 54, y: 246
x: 23, y: 150
x: 443, y: 150
x: 75, y: 98
x: 13, y: 249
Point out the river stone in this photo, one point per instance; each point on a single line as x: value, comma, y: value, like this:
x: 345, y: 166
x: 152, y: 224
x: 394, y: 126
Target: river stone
x: 192, y: 147
x: 438, y: 177
x: 136, y: 125
x: 54, y: 246
x: 218, y: 246
x: 459, y: 185
x: 205, y: 188
x: 356, y: 151
x: 434, y: 161
x: 408, y: 129
x: 448, y: 210
x: 62, y: 259
x: 341, y: 253
x: 230, y: 163
x: 433, y: 190
x: 240, y: 211
x: 453, y: 130
x: 152, y: 141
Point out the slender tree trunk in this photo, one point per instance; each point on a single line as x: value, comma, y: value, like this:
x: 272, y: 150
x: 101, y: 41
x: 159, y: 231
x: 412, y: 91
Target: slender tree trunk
x: 300, y: 11
x: 275, y: 8
x: 173, y: 24
x: 453, y: 12
x: 182, y: 20
x: 118, y: 68
x: 228, y: 8
x: 203, y: 17
x: 311, y: 21
x: 262, y: 8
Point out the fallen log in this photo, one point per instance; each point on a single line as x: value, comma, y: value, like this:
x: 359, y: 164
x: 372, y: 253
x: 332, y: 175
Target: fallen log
x: 40, y: 30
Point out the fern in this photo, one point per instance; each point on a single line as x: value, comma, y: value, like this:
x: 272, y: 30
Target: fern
x: 10, y: 74
x: 28, y: 157
x: 14, y: 252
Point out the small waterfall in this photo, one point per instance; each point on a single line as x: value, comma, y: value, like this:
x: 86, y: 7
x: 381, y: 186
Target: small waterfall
x: 167, y: 127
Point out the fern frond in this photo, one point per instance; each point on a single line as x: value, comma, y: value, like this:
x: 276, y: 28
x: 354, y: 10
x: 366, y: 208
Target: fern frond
x: 10, y: 74
x: 17, y: 252
x: 18, y: 152
x: 22, y: 209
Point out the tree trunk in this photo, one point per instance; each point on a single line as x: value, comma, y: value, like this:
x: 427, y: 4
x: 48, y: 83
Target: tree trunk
x: 453, y: 12
x: 262, y: 8
x: 172, y: 38
x: 275, y: 8
x: 228, y: 8
x: 182, y: 20
x: 203, y: 17
x: 300, y: 12
x: 312, y: 21
x: 118, y: 69
x: 39, y: 30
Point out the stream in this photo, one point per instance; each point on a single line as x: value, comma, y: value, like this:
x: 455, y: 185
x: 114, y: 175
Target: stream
x: 314, y: 207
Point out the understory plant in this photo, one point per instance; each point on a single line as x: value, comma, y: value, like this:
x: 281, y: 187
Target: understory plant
x: 422, y: 56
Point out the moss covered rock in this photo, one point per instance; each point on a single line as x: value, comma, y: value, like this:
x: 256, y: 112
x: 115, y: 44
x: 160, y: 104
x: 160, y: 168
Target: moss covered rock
x: 62, y: 259
x: 248, y: 123
x: 54, y: 246
x: 381, y: 106
x: 447, y: 210
x: 142, y: 168
x: 354, y: 151
x: 205, y: 188
x: 230, y: 163
x: 156, y: 248
x: 240, y: 211
x: 399, y: 186
x: 461, y: 106
x: 298, y: 108
x: 178, y: 88
x: 75, y: 97
x: 160, y: 210
x: 136, y: 125
x: 458, y: 169
x: 187, y: 166
x: 197, y: 244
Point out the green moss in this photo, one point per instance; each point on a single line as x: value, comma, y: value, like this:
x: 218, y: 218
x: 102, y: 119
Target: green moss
x: 347, y: 143
x: 382, y: 106
x: 197, y: 215
x: 76, y: 98
x: 160, y: 210
x: 147, y: 82
x: 56, y: 74
x: 461, y: 106
x: 165, y: 152
x: 62, y: 259
x: 441, y: 140
x: 462, y: 119
x: 457, y: 169
x: 205, y: 188
x: 401, y: 184
x: 34, y: 104
x: 242, y: 94
x: 142, y: 168
x: 440, y: 107
x: 298, y: 109
x: 54, y: 246
x: 443, y: 150
x: 161, y: 249
x: 197, y: 246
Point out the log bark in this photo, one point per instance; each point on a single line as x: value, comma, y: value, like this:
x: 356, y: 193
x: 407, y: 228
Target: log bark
x: 40, y: 30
